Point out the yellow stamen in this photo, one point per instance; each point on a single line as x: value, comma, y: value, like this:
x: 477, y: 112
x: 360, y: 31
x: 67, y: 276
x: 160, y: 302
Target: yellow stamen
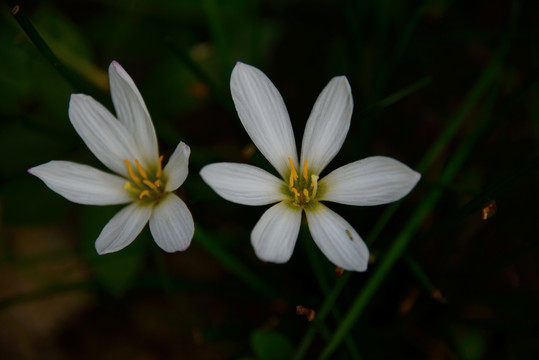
x: 141, y: 170
x: 159, y: 167
x: 296, y: 193
x: 150, y: 184
x: 131, y: 173
x: 293, y: 173
x: 305, y: 169
x: 143, y: 183
x: 306, y: 194
x: 144, y: 193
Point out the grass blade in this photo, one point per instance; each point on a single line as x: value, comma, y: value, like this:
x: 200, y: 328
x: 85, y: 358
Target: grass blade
x: 401, y: 242
x: 44, y: 49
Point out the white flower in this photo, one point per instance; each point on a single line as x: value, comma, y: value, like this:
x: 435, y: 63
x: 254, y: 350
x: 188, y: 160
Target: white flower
x: 371, y: 181
x: 127, y: 146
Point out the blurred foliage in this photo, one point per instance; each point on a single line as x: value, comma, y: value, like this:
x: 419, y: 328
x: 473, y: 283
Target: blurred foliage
x: 271, y: 345
x: 455, y: 83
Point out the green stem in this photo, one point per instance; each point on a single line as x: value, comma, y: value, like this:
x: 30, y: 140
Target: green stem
x: 44, y: 49
x: 401, y: 242
x: 456, y: 121
x: 381, y: 271
x: 373, y: 235
x: 416, y: 269
x: 393, y: 98
x: 322, y: 314
x: 320, y: 274
x: 404, y: 40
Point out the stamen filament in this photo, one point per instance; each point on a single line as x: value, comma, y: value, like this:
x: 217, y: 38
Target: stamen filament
x: 150, y: 184
x: 159, y: 167
x: 141, y: 170
x: 305, y: 170
x: 131, y: 172
x: 293, y: 173
x: 139, y: 183
x: 306, y: 194
x: 144, y: 193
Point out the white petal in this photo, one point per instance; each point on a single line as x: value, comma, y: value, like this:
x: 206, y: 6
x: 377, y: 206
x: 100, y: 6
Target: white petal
x: 104, y: 135
x: 264, y: 116
x: 123, y: 228
x: 275, y: 234
x: 177, y: 167
x: 171, y: 224
x: 243, y: 184
x: 372, y: 181
x: 82, y: 184
x: 132, y: 113
x: 337, y: 239
x: 328, y: 125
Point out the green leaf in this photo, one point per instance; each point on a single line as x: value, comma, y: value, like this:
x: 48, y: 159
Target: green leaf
x: 271, y: 345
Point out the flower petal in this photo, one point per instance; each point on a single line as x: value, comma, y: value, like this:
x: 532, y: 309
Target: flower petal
x: 243, y: 184
x: 275, y: 234
x: 132, y: 113
x: 82, y: 184
x: 123, y: 228
x: 328, y: 125
x: 105, y: 136
x: 372, y: 181
x: 337, y: 239
x: 177, y: 167
x: 264, y: 116
x: 171, y: 224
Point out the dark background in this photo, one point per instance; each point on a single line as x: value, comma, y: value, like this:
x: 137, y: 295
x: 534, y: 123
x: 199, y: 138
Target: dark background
x: 448, y: 87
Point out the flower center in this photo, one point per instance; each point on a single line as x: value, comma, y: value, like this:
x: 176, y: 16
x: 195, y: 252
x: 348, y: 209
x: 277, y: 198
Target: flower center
x: 145, y: 185
x: 303, y: 187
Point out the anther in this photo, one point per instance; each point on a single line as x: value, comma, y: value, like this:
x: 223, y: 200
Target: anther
x: 158, y: 183
x: 131, y: 173
x: 296, y: 192
x: 309, y: 313
x: 293, y: 173
x: 159, y: 167
x: 305, y: 170
x: 144, y: 193
x: 141, y: 170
